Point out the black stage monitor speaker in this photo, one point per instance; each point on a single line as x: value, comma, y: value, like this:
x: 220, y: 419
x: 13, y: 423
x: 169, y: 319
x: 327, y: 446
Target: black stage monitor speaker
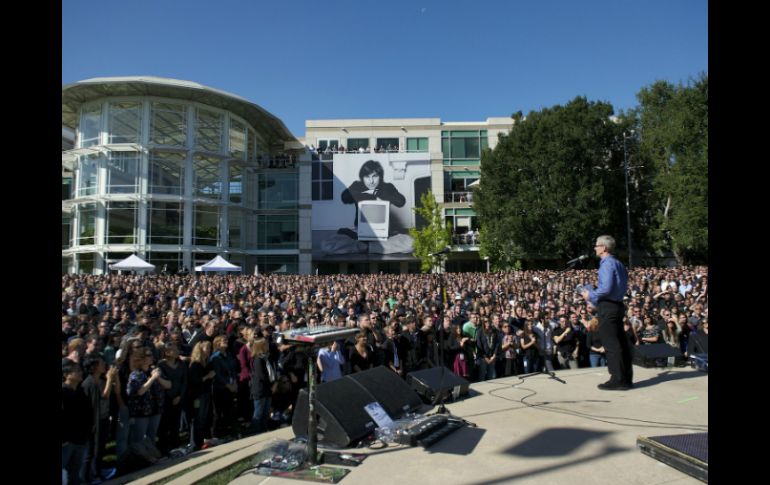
x: 387, y: 388
x: 431, y: 383
x: 342, y: 419
x: 657, y: 355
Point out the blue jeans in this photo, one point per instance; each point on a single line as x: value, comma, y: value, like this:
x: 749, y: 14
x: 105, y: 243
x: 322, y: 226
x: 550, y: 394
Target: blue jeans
x: 72, y: 458
x: 261, y: 411
x: 597, y: 360
x: 121, y: 434
x: 152, y: 427
x: 138, y: 429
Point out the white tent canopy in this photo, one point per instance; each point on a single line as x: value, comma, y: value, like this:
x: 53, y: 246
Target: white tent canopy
x: 218, y: 264
x: 133, y: 263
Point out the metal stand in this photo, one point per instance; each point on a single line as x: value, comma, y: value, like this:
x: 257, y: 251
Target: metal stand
x: 312, y: 425
x: 442, y: 409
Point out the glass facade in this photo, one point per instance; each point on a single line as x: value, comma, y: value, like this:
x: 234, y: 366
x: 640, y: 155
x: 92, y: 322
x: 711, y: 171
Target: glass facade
x: 86, y: 214
x: 235, y: 183
x: 123, y: 173
x: 121, y: 222
x: 355, y: 143
x: 168, y: 125
x: 205, y: 225
x: 207, y: 180
x: 208, y: 130
x: 90, y: 125
x: 322, y: 180
x: 182, y: 189
x: 87, y: 175
x: 277, y: 231
x: 277, y: 191
x: 237, y: 139
x: 165, y: 222
x: 417, y: 144
x: 463, y: 147
x: 166, y: 173
x: 125, y: 122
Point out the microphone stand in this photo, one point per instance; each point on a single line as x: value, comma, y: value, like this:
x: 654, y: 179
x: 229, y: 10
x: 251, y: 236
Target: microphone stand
x: 442, y: 409
x: 552, y: 375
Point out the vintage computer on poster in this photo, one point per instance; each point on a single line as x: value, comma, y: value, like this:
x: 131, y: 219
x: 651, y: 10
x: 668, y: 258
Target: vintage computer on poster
x: 373, y: 220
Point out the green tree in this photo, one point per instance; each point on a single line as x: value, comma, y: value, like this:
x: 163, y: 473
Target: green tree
x: 434, y: 237
x: 674, y: 127
x: 552, y: 184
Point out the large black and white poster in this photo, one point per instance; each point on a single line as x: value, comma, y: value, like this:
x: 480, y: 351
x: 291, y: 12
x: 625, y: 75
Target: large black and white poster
x: 371, y: 207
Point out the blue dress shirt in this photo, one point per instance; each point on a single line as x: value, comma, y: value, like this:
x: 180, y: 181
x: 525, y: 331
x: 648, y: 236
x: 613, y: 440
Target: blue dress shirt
x: 613, y: 282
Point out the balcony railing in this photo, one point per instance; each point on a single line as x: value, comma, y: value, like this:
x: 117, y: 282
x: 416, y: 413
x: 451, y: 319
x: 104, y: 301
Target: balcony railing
x: 458, y: 196
x: 465, y: 239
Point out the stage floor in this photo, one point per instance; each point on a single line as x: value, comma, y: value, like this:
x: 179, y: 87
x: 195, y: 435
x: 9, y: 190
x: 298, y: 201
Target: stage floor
x: 533, y: 431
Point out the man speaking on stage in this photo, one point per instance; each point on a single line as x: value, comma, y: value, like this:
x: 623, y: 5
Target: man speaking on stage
x: 607, y: 298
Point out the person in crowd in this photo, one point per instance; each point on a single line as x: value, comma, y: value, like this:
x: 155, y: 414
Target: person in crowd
x: 98, y: 391
x: 175, y: 371
x: 594, y: 343
x: 77, y: 420
x: 200, y: 377
x: 262, y: 379
x: 651, y: 333
x: 329, y: 362
x: 361, y: 354
x: 224, y: 387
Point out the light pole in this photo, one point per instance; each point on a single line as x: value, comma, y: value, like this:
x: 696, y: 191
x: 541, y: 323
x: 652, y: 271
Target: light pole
x: 628, y: 206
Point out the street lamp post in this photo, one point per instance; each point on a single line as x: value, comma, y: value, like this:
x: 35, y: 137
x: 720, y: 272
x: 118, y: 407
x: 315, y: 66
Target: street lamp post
x: 628, y: 206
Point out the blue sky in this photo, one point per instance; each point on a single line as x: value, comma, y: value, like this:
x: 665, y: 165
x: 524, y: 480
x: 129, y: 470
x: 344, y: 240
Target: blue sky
x: 452, y: 59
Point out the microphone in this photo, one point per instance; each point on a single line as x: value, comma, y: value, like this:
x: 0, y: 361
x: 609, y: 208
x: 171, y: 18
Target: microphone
x: 578, y: 259
x: 443, y: 251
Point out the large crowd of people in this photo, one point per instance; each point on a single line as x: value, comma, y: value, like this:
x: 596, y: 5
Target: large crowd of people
x: 149, y: 359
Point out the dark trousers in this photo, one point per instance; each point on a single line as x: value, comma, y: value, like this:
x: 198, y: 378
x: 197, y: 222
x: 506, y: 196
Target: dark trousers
x: 168, y: 433
x: 618, y: 350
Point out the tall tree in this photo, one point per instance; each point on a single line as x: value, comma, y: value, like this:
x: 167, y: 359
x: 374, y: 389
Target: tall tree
x: 552, y: 184
x: 674, y: 125
x: 432, y: 238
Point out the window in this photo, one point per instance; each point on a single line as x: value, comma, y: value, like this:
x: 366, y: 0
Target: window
x: 66, y: 227
x: 66, y: 188
x: 235, y: 183
x: 277, y: 232
x: 166, y: 173
x: 90, y: 125
x: 322, y: 180
x: 168, y: 125
x: 234, y: 224
x: 328, y: 143
x: 123, y: 173
x: 86, y: 224
x: 205, y: 225
x: 87, y: 171
x: 121, y: 222
x: 125, y: 122
x: 387, y: 144
x: 417, y: 144
x: 208, y: 131
x: 206, y: 178
x: 253, y: 146
x: 277, y: 191
x: 237, y: 139
x: 463, y: 147
x: 86, y: 262
x: 165, y: 223
x: 355, y: 143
